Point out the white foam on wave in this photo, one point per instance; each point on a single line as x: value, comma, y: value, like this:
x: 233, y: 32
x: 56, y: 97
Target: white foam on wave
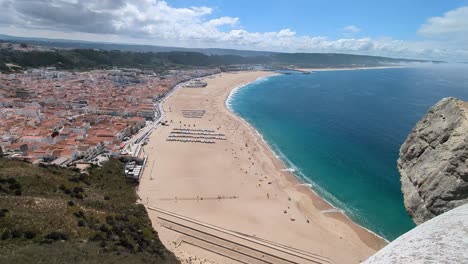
x: 333, y: 210
x: 289, y: 169
x: 234, y: 91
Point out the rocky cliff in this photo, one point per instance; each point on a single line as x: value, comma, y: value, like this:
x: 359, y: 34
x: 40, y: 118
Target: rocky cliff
x: 433, y: 161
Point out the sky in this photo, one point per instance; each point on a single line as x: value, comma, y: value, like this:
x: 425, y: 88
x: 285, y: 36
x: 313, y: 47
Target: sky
x: 421, y: 29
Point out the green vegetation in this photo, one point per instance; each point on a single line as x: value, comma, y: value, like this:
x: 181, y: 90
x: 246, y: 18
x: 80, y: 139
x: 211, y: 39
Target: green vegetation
x: 95, y: 59
x: 160, y: 61
x: 56, y: 215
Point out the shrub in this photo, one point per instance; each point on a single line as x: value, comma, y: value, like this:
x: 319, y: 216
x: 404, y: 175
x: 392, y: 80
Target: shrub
x: 29, y: 234
x: 106, y: 198
x: 122, y: 218
x: 6, y: 235
x: 110, y: 220
x: 71, y: 203
x: 78, y: 190
x: 18, y: 192
x: 56, y: 236
x: 102, y: 244
x: 126, y: 244
x: 97, y: 237
x: 104, y: 229
x: 16, y: 233
x: 11, y: 180
x: 81, y: 223
x: 74, y: 179
x: 79, y: 214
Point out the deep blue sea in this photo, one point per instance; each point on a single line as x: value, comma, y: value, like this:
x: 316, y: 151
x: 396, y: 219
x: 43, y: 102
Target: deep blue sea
x: 341, y: 131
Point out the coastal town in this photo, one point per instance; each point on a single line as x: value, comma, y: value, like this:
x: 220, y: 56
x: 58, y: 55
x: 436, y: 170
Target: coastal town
x: 75, y: 119
x: 233, y: 132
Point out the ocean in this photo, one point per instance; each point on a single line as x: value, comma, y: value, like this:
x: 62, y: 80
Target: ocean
x: 340, y: 131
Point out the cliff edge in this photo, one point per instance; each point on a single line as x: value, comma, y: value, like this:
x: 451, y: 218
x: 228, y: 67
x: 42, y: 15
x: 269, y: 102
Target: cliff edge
x: 442, y: 239
x: 433, y: 161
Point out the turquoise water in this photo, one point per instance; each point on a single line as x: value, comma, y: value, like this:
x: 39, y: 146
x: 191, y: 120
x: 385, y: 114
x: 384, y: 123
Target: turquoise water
x: 341, y: 131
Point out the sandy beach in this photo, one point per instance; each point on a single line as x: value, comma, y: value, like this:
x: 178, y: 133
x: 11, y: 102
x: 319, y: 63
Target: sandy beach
x: 236, y: 184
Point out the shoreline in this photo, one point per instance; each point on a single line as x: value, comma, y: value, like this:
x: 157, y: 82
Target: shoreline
x: 284, y: 163
x: 252, y: 184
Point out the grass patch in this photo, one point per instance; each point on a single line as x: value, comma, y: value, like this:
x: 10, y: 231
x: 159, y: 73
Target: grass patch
x: 92, y: 217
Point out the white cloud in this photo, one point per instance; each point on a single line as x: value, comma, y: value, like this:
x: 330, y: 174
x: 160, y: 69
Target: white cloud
x: 232, y: 21
x: 286, y: 33
x: 351, y: 29
x: 452, y: 26
x: 156, y: 22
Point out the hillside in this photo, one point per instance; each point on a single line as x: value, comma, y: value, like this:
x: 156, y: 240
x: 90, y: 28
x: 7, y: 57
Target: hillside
x: 57, y: 215
x: 78, y: 44
x: 93, y: 59
x: 65, y: 54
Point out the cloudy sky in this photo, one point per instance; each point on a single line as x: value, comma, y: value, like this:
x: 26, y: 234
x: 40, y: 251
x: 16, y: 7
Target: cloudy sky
x: 430, y: 29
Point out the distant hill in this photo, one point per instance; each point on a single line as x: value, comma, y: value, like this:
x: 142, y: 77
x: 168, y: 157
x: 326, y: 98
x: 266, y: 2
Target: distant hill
x: 103, y: 59
x: 57, y: 215
x: 78, y: 44
x: 82, y: 59
x: 85, y: 55
x: 327, y: 60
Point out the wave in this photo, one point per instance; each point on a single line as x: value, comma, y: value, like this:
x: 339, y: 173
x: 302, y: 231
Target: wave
x: 234, y: 91
x: 333, y: 210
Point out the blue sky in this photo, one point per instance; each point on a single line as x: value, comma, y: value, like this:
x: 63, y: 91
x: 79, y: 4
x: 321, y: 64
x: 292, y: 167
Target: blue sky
x: 399, y: 19
x: 423, y: 29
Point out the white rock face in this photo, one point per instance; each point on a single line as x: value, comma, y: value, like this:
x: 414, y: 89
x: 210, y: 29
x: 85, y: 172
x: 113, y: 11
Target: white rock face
x: 433, y: 161
x: 443, y: 239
